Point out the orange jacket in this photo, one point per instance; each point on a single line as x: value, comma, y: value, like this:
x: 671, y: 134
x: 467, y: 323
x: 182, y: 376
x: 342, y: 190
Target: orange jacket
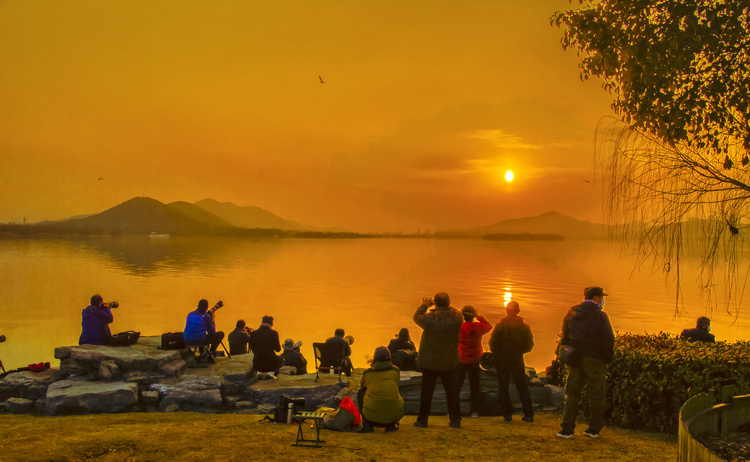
x: 470, y: 340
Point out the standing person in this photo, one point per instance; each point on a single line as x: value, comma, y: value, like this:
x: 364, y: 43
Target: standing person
x: 403, y: 351
x: 587, y: 329
x: 293, y: 357
x: 264, y: 342
x: 510, y: 340
x: 95, y: 320
x: 379, y: 397
x: 201, y: 329
x: 239, y: 339
x: 470, y: 352
x: 338, y: 337
x: 438, y: 355
x: 700, y: 333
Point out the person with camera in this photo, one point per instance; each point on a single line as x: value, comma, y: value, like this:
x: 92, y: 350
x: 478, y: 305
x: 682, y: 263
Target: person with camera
x: 264, y: 341
x: 293, y: 357
x: 200, y: 329
x: 339, y: 337
x: 470, y: 352
x: 403, y: 351
x: 95, y: 320
x: 438, y: 355
x: 239, y: 339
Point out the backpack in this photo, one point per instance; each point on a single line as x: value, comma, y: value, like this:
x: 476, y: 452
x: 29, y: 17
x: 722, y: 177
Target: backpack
x: 172, y: 341
x: 344, y: 417
x: 126, y: 338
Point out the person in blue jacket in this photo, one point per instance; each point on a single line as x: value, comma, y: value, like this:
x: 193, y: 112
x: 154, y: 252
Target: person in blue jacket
x: 200, y: 329
x: 95, y: 320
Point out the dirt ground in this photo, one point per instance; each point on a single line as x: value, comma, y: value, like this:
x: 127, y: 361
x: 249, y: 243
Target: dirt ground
x: 184, y: 436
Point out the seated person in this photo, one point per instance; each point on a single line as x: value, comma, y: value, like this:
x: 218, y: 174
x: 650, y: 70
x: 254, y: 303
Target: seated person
x: 264, y: 341
x: 700, y: 333
x: 293, y: 357
x: 95, y: 320
x: 239, y: 339
x: 379, y: 398
x: 338, y: 337
x: 200, y: 329
x: 403, y: 351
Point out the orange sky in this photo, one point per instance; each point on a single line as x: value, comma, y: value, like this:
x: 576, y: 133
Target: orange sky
x: 426, y: 105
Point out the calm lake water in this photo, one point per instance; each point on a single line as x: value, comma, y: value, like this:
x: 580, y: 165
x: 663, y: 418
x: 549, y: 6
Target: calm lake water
x: 369, y: 287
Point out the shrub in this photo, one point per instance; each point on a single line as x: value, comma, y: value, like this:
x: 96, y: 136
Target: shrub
x: 652, y: 375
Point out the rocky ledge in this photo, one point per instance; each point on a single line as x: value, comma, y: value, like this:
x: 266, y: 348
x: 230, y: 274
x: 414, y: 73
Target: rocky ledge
x: 141, y: 377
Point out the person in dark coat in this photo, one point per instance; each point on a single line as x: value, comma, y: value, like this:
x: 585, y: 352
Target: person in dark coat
x: 264, y: 342
x: 403, y: 351
x: 510, y: 340
x: 239, y: 339
x: 700, y: 333
x: 588, y: 330
x: 293, y: 357
x: 338, y: 337
x: 95, y: 320
x: 438, y: 355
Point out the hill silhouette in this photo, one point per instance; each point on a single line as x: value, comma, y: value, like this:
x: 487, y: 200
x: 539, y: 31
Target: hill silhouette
x: 140, y: 215
x: 249, y: 216
x: 199, y: 214
x: 546, y: 223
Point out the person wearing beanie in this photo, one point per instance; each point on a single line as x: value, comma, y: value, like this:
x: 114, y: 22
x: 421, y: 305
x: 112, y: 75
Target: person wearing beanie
x: 200, y: 329
x: 470, y: 352
x: 403, y: 351
x: 264, y: 342
x: 293, y: 357
x: 587, y: 329
x: 379, y: 399
x: 511, y: 339
x: 438, y: 355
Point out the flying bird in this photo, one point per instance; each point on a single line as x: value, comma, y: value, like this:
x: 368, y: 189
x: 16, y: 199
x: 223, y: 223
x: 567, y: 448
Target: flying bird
x: 321, y: 79
x: 101, y: 178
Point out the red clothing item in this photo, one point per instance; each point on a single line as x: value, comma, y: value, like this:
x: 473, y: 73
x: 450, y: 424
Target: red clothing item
x: 470, y: 340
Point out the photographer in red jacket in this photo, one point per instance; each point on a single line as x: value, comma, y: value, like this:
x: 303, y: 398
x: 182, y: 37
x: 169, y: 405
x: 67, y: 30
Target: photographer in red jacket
x: 470, y: 352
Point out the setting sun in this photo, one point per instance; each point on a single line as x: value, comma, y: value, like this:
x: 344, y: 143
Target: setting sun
x: 509, y: 176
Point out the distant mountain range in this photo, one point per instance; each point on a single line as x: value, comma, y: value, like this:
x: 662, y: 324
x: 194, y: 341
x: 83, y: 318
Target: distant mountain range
x: 144, y: 215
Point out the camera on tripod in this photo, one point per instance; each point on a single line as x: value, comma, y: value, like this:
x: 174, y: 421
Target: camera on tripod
x: 112, y: 305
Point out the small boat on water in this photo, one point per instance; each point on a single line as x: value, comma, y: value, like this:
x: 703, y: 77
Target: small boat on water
x: 155, y: 235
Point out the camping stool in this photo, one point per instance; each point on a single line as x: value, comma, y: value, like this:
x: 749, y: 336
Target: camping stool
x: 200, y: 353
x: 317, y: 417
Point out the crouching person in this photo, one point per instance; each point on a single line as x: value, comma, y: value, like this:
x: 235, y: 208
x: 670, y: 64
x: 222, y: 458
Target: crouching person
x: 380, y: 402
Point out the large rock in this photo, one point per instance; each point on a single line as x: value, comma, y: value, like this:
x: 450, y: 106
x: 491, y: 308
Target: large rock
x: 144, y: 356
x: 316, y: 394
x: 82, y: 397
x: 27, y: 384
x: 198, y: 395
x: 19, y: 406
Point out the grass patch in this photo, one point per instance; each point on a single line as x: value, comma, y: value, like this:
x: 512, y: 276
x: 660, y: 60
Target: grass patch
x: 186, y: 436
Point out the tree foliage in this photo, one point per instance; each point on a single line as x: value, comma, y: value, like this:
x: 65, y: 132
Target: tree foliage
x: 679, y: 72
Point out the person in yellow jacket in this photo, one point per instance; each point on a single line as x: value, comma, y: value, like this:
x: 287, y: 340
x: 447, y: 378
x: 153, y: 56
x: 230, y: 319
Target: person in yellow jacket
x: 379, y: 399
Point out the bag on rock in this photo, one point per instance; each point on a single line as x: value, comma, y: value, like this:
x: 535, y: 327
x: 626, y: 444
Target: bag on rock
x: 126, y: 338
x: 172, y: 341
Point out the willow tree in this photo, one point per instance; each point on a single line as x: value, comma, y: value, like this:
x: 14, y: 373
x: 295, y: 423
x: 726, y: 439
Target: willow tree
x: 675, y: 161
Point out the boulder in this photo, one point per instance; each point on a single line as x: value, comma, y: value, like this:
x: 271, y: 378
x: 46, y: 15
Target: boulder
x: 19, y: 406
x: 268, y: 392
x: 150, y: 398
x: 108, y: 370
x: 82, y: 397
x: 198, y: 395
x: 27, y: 384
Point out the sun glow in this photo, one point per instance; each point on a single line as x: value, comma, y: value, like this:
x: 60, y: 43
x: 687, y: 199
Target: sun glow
x: 509, y: 176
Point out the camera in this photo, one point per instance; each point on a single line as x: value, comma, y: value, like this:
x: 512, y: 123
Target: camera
x: 2, y: 338
x: 112, y: 305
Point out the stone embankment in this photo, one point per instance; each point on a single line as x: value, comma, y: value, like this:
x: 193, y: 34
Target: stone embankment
x: 143, y: 378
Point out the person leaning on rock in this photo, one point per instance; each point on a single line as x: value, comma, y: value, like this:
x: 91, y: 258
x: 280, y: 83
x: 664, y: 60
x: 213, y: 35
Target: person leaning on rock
x: 95, y: 320
x: 587, y: 329
x: 510, y: 340
x: 438, y: 355
x: 239, y: 339
x: 700, y: 333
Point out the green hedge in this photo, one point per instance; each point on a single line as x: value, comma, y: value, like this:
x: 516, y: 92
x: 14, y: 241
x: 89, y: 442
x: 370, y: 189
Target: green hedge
x: 651, y: 377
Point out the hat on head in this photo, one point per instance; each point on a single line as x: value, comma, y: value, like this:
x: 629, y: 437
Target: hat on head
x: 382, y: 354
x: 468, y: 309
x: 593, y: 291
x: 289, y: 344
